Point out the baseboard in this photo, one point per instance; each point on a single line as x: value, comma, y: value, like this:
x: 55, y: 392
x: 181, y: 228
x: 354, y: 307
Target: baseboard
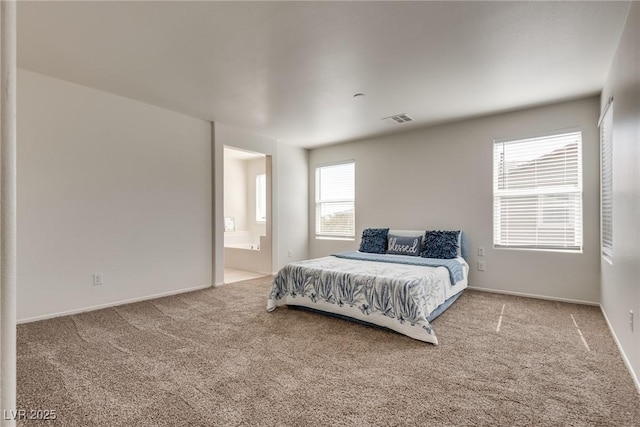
x: 624, y: 356
x: 111, y: 304
x: 521, y: 294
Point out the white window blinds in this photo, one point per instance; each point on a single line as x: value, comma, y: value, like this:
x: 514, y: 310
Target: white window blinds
x: 606, y: 182
x: 335, y: 196
x: 537, y: 192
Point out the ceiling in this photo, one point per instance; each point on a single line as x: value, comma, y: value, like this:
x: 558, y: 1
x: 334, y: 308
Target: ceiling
x: 289, y: 70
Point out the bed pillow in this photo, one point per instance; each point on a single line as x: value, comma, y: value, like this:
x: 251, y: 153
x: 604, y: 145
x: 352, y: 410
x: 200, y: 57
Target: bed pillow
x: 441, y: 244
x: 404, y: 245
x: 374, y: 240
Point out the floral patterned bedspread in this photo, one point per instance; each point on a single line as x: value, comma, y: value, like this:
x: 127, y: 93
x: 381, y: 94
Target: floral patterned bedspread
x: 397, y: 296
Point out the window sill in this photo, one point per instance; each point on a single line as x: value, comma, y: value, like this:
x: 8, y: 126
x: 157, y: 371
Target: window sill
x: 347, y: 239
x: 556, y: 250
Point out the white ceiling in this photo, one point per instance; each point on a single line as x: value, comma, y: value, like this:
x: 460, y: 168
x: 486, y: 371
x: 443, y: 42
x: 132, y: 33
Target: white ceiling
x: 288, y: 70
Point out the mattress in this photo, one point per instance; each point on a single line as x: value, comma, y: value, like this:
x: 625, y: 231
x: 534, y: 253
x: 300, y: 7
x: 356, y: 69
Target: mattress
x: 392, y: 291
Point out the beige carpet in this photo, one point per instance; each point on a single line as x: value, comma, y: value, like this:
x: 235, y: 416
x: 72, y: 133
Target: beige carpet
x: 216, y: 357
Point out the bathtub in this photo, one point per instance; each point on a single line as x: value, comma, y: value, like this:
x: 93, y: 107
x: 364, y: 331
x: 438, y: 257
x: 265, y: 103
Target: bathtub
x: 248, y: 256
x: 250, y: 246
x: 241, y: 240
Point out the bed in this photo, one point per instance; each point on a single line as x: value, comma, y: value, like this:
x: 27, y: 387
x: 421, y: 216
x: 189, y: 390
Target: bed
x: 399, y: 292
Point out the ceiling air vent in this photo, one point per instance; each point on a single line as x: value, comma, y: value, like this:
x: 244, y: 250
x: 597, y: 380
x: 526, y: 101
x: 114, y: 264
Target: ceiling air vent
x: 399, y: 118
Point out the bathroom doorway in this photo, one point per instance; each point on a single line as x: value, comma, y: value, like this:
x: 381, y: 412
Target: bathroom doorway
x: 247, y: 214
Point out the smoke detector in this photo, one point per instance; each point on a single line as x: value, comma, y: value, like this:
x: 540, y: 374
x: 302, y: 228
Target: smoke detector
x: 398, y: 119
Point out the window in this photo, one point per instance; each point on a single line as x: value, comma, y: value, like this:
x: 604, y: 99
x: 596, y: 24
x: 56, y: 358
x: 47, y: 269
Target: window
x: 335, y: 200
x: 261, y: 198
x: 537, y: 192
x: 606, y: 181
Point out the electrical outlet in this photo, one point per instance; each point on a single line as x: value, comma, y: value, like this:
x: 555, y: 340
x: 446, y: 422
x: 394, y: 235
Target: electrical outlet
x: 481, y: 265
x: 631, y: 320
x: 97, y: 279
x: 480, y: 251
x: 289, y: 253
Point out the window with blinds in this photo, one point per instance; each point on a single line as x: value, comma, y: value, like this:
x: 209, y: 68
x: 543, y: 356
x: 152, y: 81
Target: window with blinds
x: 537, y: 193
x: 606, y: 182
x: 335, y: 200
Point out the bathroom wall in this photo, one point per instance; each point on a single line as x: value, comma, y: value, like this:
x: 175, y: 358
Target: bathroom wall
x: 235, y: 190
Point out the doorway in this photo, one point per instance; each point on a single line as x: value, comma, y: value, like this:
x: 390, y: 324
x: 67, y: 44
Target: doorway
x: 247, y: 216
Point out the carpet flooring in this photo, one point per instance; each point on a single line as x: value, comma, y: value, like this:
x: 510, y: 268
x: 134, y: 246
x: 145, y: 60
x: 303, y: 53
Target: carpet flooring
x: 216, y: 357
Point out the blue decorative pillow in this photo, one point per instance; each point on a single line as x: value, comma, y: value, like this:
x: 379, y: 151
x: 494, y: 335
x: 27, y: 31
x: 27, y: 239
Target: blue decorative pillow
x: 404, y: 245
x: 441, y: 244
x: 374, y: 240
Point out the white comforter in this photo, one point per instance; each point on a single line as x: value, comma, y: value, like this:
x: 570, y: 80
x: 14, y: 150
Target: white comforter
x: 397, y: 296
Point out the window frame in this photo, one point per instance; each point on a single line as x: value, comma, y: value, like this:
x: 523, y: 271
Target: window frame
x: 259, y: 189
x: 559, y: 190
x: 606, y: 119
x: 318, y: 202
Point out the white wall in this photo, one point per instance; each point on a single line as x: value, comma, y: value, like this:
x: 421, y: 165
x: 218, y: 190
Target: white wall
x: 240, y: 191
x: 441, y: 178
x: 621, y: 280
x: 292, y: 216
x: 255, y: 167
x: 107, y: 184
x: 235, y: 191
